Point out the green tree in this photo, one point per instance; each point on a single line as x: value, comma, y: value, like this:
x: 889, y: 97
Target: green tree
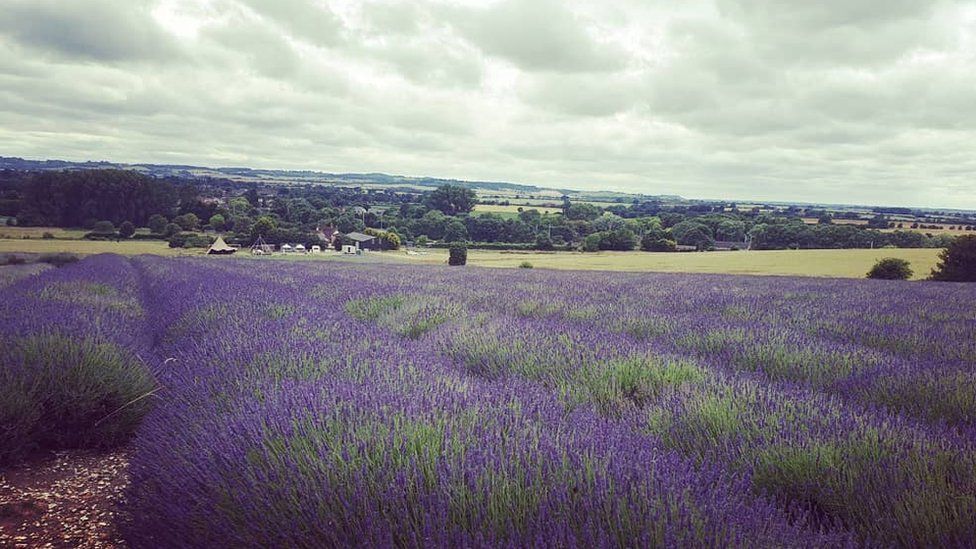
x: 104, y: 227
x: 171, y: 229
x: 583, y: 212
x: 891, y: 268
x: 157, y: 224
x: 456, y: 232
x: 957, y: 263
x: 652, y: 242
x: 452, y: 199
x: 188, y: 221
x: 543, y: 242
x: 217, y: 221
x: 263, y: 226
x: 592, y: 242
x: 458, y: 255
x: 127, y: 229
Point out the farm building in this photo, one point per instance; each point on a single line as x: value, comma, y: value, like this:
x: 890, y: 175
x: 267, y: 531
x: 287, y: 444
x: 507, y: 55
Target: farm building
x: 299, y: 248
x: 362, y: 241
x: 219, y: 247
x: 316, y: 249
x: 350, y: 250
x: 287, y: 249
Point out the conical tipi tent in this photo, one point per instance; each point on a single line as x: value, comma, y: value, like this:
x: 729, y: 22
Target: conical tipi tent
x: 219, y: 247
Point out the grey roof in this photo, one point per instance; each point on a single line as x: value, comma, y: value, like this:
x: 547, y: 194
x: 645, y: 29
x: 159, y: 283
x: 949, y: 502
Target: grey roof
x: 360, y: 237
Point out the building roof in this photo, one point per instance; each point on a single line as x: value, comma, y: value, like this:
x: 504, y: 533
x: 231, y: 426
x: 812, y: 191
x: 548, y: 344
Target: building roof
x: 360, y: 237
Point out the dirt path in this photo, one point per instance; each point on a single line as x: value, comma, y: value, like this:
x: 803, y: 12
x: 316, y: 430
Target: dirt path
x: 67, y: 499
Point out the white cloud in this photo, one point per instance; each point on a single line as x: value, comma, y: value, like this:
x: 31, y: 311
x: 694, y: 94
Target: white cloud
x: 840, y: 100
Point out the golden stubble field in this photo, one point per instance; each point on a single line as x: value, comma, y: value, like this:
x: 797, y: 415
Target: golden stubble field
x: 825, y: 263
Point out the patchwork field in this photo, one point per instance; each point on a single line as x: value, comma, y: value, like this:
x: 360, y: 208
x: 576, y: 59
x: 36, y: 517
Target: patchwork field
x: 297, y: 404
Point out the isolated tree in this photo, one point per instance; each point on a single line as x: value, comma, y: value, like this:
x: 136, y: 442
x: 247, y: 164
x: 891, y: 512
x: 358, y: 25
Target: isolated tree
x: 458, y: 255
x: 891, y: 268
x: 452, y: 199
x: 127, y: 229
x: 957, y: 263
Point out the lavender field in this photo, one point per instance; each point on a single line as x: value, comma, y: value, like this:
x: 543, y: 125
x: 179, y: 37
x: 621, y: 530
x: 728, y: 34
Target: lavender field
x: 340, y: 404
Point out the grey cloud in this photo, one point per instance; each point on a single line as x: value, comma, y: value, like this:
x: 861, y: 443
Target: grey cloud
x: 536, y: 35
x: 96, y: 30
x: 830, y: 101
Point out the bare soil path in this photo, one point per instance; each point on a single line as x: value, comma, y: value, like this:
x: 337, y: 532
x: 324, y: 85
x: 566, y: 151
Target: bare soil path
x: 64, y: 499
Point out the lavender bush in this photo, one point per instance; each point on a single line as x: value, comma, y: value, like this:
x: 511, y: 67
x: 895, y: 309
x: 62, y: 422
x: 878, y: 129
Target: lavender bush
x: 70, y: 347
x: 344, y: 404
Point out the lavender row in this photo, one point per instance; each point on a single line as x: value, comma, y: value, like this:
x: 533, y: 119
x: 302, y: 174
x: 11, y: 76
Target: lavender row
x: 77, y: 365
x: 287, y: 421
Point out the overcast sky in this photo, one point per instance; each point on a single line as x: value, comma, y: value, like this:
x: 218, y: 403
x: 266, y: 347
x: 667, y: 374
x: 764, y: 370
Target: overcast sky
x: 848, y: 101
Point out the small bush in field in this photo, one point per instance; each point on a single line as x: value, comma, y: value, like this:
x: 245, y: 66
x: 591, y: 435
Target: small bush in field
x: 891, y: 268
x: 58, y: 392
x: 58, y: 259
x: 459, y: 255
x: 14, y: 260
x: 525, y: 265
x: 48, y: 236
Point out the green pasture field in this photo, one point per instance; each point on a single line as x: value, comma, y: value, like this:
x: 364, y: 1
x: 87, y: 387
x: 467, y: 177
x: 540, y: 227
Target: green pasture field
x: 38, y: 232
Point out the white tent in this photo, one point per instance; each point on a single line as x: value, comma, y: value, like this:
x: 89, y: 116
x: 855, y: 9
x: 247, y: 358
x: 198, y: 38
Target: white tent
x: 219, y: 247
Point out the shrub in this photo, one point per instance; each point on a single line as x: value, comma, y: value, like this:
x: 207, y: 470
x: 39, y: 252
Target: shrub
x: 957, y: 263
x: 59, y: 259
x: 157, y: 223
x: 103, y: 227
x: 525, y: 265
x: 47, y: 236
x: 458, y: 255
x: 127, y: 229
x: 58, y: 392
x: 14, y: 260
x: 171, y: 229
x: 891, y: 268
x: 651, y: 244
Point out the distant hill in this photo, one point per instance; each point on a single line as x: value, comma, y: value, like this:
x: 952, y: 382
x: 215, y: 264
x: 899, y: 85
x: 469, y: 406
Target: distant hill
x: 245, y: 175
x: 268, y: 176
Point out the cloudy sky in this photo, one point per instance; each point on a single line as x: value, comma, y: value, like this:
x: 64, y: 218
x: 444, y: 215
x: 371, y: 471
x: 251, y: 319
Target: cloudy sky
x: 849, y: 101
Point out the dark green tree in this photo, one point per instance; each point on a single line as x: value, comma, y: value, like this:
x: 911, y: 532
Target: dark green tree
x: 891, y: 268
x: 127, y: 229
x: 458, y: 255
x: 217, y: 221
x: 157, y: 223
x: 104, y: 227
x: 957, y: 263
x: 456, y: 232
x: 171, y: 229
x: 452, y: 199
